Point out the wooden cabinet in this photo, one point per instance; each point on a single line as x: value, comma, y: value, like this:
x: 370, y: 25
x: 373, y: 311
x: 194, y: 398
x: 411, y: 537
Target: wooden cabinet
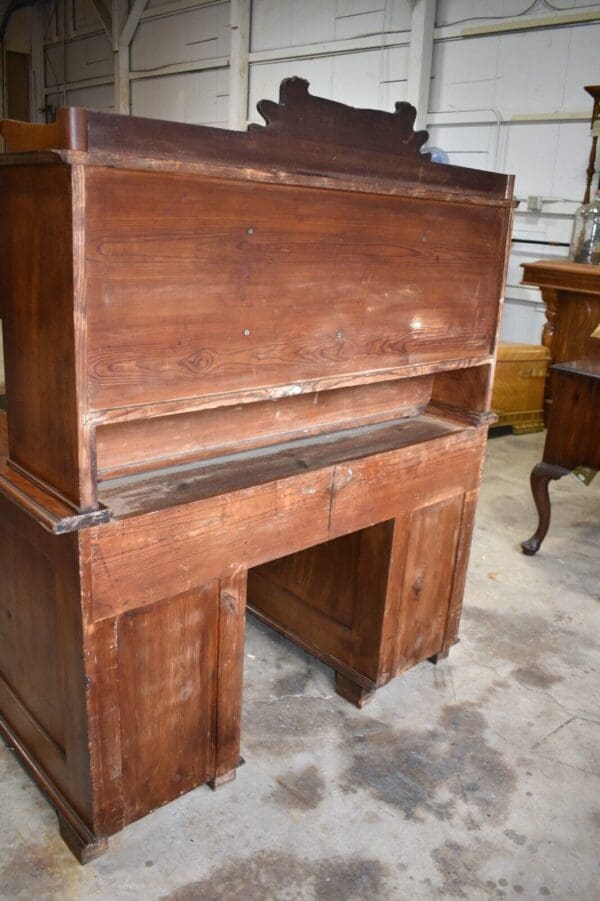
x: 236, y: 363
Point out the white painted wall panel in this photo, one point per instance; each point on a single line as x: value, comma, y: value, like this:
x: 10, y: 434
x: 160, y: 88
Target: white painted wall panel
x: 271, y: 24
x: 479, y: 12
x: 529, y: 151
x: 188, y: 36
x: 571, y: 159
x: 358, y: 25
x: 98, y: 97
x: 532, y: 67
x: 464, y: 74
x: 358, y: 7
x: 367, y: 79
x: 89, y: 57
x: 357, y: 78
x: 583, y: 66
x: 311, y: 21
x: 399, y: 15
x: 522, y: 322
x: 197, y: 97
x: 291, y: 23
x: 84, y: 14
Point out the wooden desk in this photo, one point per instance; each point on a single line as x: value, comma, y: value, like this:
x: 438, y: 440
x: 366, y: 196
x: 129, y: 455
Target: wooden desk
x: 235, y: 362
x: 571, y: 293
x: 573, y: 437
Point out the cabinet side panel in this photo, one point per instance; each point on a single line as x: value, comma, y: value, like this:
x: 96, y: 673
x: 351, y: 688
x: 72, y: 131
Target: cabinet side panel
x: 36, y: 285
x: 42, y: 679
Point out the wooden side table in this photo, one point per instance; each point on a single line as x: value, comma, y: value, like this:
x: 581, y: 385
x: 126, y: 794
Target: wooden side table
x: 571, y: 293
x: 573, y: 437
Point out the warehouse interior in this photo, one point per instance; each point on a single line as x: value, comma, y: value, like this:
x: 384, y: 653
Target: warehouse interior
x: 477, y: 776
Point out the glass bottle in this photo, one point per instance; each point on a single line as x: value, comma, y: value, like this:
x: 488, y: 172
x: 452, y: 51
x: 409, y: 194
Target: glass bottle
x: 585, y: 239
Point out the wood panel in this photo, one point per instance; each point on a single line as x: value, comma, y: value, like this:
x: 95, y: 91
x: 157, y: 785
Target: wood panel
x: 323, y: 578
x: 42, y: 677
x: 146, y: 444
x: 230, y: 675
x: 39, y: 263
x: 463, y: 391
x: 395, y: 583
x: 167, y: 678
x: 459, y: 575
x: 330, y: 599
x: 576, y: 318
x: 573, y: 441
x: 30, y: 669
x: 170, y: 260
x: 431, y: 538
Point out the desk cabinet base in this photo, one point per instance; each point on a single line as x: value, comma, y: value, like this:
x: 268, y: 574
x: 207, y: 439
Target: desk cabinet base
x: 119, y: 697
x: 374, y: 603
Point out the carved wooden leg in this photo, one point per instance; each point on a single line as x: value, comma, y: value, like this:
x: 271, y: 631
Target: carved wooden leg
x: 541, y: 475
x: 352, y: 692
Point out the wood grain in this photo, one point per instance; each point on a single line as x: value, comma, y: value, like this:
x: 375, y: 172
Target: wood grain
x: 167, y: 683
x: 148, y: 444
x: 46, y: 435
x: 140, y: 559
x: 259, y: 253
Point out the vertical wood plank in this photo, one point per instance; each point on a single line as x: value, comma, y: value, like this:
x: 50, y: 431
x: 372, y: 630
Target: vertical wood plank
x: 230, y: 673
x: 460, y: 568
x: 167, y: 690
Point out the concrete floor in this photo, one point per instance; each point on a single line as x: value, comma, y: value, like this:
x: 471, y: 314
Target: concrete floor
x: 479, y: 778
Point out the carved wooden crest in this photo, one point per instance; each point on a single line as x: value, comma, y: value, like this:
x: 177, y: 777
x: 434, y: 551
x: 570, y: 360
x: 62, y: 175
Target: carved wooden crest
x: 301, y: 116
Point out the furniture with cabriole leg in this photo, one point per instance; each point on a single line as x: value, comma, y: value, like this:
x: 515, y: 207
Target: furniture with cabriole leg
x: 236, y: 363
x: 573, y: 437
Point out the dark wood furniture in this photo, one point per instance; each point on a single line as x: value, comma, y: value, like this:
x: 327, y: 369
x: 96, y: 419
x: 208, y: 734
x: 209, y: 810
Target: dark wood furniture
x: 573, y: 437
x: 571, y: 293
x: 226, y: 351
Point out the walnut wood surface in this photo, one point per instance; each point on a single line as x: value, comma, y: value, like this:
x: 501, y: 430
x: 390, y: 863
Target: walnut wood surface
x: 573, y: 437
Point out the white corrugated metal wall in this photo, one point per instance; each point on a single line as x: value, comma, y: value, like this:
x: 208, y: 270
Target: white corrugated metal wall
x: 505, y: 92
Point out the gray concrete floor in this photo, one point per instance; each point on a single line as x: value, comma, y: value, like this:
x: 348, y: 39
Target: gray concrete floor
x: 478, y: 778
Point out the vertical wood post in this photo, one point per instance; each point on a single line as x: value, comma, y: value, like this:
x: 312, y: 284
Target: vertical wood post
x: 238, y: 64
x: 124, y: 28
x: 420, y: 55
x: 230, y: 673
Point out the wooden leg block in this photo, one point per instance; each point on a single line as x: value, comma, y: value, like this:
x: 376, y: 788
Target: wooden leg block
x: 223, y: 779
x: 441, y: 655
x: 352, y: 692
x: 84, y: 845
